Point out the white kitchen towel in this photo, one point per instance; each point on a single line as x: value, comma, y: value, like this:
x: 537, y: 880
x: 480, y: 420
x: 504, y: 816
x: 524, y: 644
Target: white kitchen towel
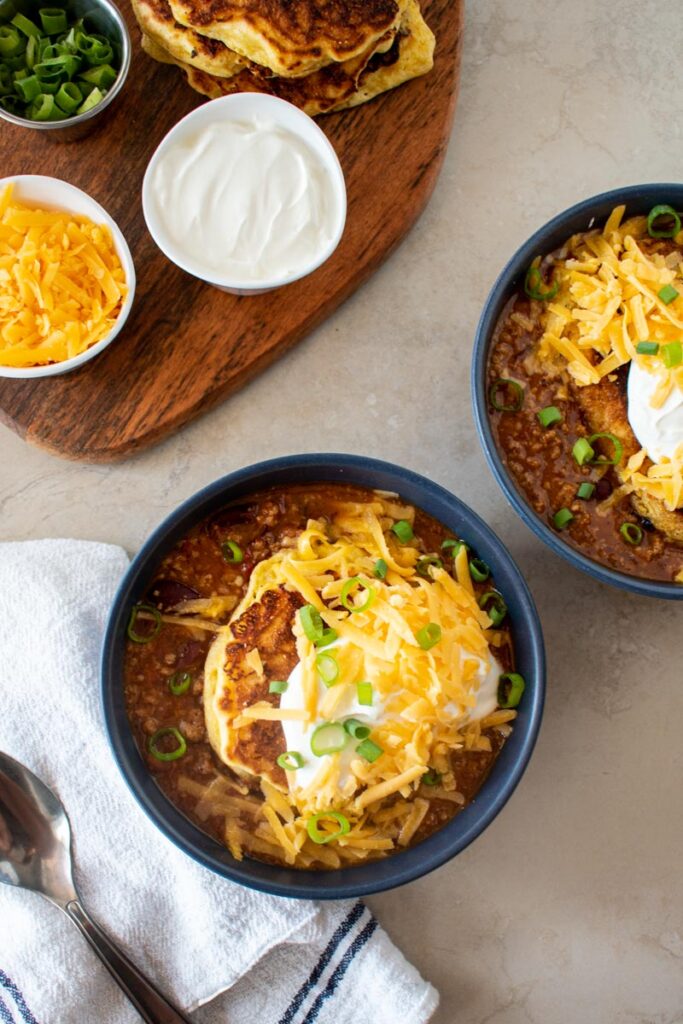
x: 277, y: 961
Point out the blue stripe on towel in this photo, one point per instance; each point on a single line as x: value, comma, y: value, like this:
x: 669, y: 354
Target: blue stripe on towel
x: 315, y: 975
x: 6, y: 1014
x: 9, y: 985
x: 341, y: 970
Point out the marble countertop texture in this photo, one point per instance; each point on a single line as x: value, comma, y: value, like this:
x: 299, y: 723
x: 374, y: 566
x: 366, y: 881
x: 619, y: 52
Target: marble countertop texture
x: 570, y: 907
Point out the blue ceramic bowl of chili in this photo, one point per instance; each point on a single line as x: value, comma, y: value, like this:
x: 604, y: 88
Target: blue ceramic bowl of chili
x: 508, y: 767
x: 592, y: 212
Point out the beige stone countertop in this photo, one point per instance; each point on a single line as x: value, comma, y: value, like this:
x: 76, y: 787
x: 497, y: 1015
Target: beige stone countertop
x: 570, y: 907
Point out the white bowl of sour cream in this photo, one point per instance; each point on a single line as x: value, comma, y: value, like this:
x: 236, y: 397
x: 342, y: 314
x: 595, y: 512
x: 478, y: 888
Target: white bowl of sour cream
x: 245, y: 193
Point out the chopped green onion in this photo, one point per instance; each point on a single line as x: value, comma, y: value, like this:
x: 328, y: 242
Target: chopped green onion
x: 42, y: 108
x: 53, y: 20
x: 329, y: 738
x: 369, y: 750
x: 171, y: 755
x: 430, y: 778
x: 29, y: 88
x: 585, y: 491
x: 364, y: 691
x: 149, y: 610
x: 532, y: 285
x: 290, y: 760
x: 497, y: 609
x: 562, y: 518
x: 455, y: 544
x: 232, y: 552
x: 669, y: 214
x: 311, y: 623
x: 424, y: 565
x: 328, y: 637
x: 667, y: 294
x: 320, y: 837
x: 516, y: 399
x: 479, y: 570
x: 350, y: 585
x: 68, y: 97
x: 357, y: 729
x: 510, y: 689
x: 26, y: 26
x: 582, y: 451
x: 647, y: 348
x: 91, y: 100
x: 428, y: 636
x: 551, y: 414
x: 672, y: 354
x: 381, y: 569
x: 179, y: 683
x: 631, y: 533
x: 11, y: 43
x: 328, y: 669
x: 600, y: 460
x: 403, y: 531
x: 278, y: 686
x: 103, y: 76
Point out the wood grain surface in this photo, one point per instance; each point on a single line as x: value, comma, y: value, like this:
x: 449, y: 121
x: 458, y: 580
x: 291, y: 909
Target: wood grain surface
x: 186, y: 345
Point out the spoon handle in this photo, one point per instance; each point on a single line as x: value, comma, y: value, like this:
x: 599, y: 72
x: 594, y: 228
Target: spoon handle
x: 147, y: 1000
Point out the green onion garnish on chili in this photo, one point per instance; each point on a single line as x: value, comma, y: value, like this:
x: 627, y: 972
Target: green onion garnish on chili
x: 328, y: 637
x: 632, y: 533
x: 232, y: 552
x: 381, y: 569
x: 428, y: 636
x: 278, y: 686
x: 430, y: 778
x: 356, y: 583
x: 148, y: 614
x: 510, y: 689
x: 290, y: 760
x: 647, y: 348
x: 479, y: 570
x: 179, y: 683
x: 506, y: 395
x: 562, y: 519
x: 602, y: 460
x: 672, y: 354
x: 403, y: 530
x: 369, y: 750
x: 455, y: 545
x: 535, y: 286
x: 582, y: 451
x: 329, y: 738
x: 167, y: 755
x: 548, y: 416
x: 585, y: 490
x: 359, y: 730
x: 311, y: 623
x: 667, y: 294
x: 495, y: 607
x: 425, y: 565
x: 364, y: 692
x: 318, y: 836
x: 328, y: 669
x: 663, y: 222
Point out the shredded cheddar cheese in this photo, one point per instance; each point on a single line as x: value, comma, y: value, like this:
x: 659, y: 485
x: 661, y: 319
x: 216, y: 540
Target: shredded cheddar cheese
x: 62, y: 285
x: 607, y: 301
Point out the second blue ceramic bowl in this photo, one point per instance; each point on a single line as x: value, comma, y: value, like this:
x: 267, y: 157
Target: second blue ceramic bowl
x: 639, y: 199
x: 508, y: 768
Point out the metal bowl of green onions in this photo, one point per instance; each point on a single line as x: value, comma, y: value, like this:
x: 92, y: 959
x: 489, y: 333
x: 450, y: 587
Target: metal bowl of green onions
x: 61, y: 67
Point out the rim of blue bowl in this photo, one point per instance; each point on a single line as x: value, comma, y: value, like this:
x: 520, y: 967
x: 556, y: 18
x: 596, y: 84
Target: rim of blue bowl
x: 508, y: 768
x: 638, y: 199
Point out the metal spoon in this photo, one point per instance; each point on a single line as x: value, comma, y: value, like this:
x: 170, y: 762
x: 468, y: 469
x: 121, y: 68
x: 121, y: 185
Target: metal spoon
x: 35, y: 854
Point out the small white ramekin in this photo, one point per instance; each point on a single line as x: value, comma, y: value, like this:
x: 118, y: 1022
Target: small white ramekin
x: 55, y: 194
x: 237, y: 107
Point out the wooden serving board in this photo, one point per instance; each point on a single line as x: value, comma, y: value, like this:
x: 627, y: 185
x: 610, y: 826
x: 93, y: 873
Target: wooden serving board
x: 187, y: 345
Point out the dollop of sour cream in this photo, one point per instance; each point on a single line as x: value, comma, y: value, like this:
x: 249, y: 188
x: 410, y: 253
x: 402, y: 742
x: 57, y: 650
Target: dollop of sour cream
x: 298, y: 734
x: 659, y: 431
x: 247, y: 201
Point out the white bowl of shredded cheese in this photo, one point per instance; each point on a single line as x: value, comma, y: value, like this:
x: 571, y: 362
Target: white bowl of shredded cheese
x: 68, y: 283
x: 245, y: 193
